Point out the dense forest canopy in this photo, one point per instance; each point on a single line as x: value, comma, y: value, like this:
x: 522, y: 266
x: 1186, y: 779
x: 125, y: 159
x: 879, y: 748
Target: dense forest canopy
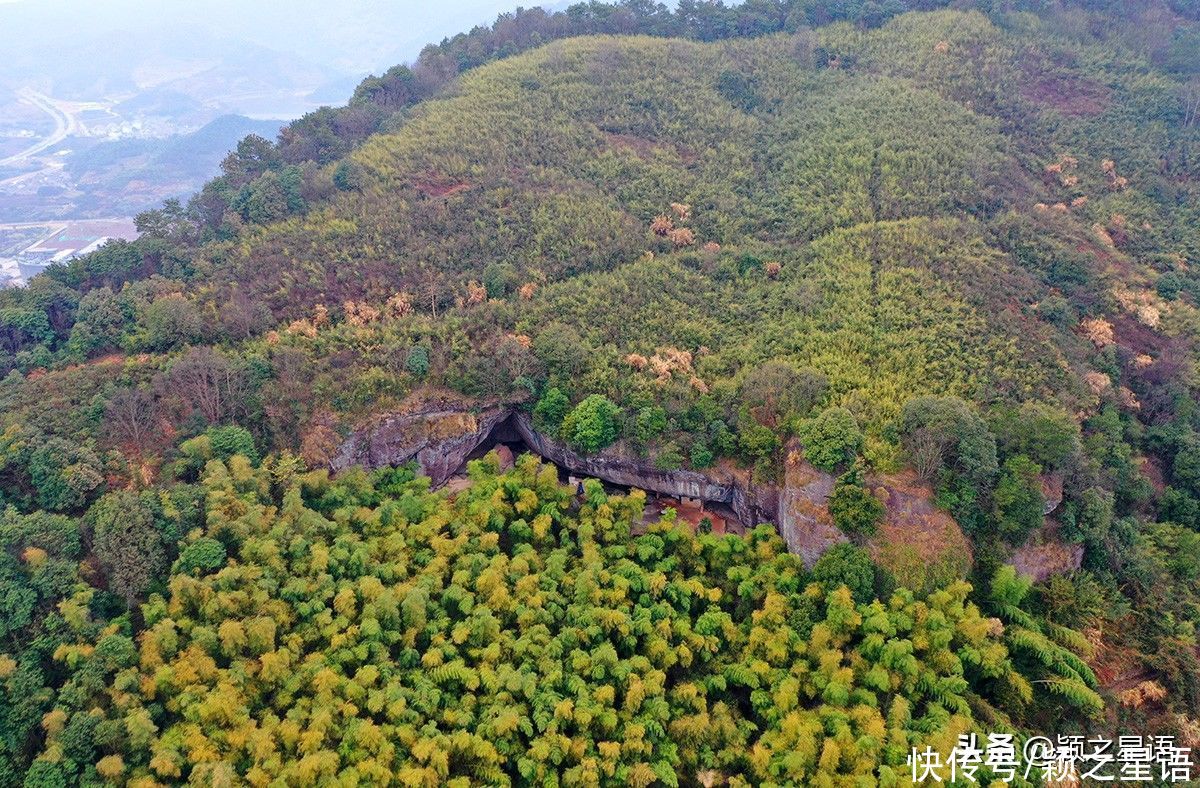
x: 887, y: 244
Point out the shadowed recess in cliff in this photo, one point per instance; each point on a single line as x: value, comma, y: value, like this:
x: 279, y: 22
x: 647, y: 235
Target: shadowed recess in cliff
x: 441, y: 439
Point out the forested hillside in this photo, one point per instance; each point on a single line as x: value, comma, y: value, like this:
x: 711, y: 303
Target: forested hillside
x: 948, y: 249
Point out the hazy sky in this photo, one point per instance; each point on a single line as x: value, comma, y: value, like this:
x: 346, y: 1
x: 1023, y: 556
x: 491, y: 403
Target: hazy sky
x: 351, y: 37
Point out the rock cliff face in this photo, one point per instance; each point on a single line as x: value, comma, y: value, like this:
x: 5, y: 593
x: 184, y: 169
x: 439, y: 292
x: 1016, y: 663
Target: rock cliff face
x: 439, y: 439
x: 914, y: 536
x: 804, y: 521
x: 752, y: 505
x: 613, y: 467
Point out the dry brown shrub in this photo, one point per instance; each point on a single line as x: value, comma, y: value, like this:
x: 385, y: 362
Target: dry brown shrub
x: 320, y: 442
x: 668, y: 361
x: 399, y: 305
x: 360, y: 313
x: 682, y: 236
x: 1145, y: 692
x: 773, y: 268
x: 476, y: 293
x: 1098, y: 382
x: 682, y: 210
x: 660, y: 368
x: 662, y: 225
x: 302, y: 328
x: 527, y: 290
x: 320, y: 315
x: 1149, y: 315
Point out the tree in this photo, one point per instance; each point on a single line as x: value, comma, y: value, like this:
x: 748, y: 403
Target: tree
x: 231, y: 440
x: 700, y: 456
x: 264, y: 200
x: 855, y: 510
x: 776, y: 391
x: 209, y: 382
x: 847, y: 565
x: 1046, y: 652
x: 131, y: 421
x: 19, y: 327
x: 1185, y: 466
x: 417, y: 361
x: 253, y: 156
x: 940, y: 431
x: 591, y: 425
x: 500, y: 279
x: 243, y: 317
x: 100, y: 323
x: 1019, y: 499
x: 1045, y: 434
x: 551, y: 408
x: 926, y: 450
x: 170, y: 321
x: 128, y: 541
x: 56, y: 300
x: 64, y: 474
x: 203, y: 555
x: 648, y: 423
x: 1169, y: 285
x: 348, y: 176
x: 564, y: 353
x: 1189, y: 95
x: 832, y: 439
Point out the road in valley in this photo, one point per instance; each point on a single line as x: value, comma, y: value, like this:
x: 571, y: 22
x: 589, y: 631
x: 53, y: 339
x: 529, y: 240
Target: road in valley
x: 64, y: 124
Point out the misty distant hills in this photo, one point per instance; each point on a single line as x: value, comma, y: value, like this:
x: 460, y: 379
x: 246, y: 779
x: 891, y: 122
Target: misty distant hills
x: 150, y: 96
x: 123, y: 177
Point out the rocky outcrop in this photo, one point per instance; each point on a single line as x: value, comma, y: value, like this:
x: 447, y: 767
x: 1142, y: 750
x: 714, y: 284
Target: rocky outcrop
x: 752, y: 505
x: 1046, y: 554
x: 439, y: 438
x: 614, y: 467
x: 803, y: 511
x: 921, y: 545
x: 1052, y: 491
x: 916, y: 538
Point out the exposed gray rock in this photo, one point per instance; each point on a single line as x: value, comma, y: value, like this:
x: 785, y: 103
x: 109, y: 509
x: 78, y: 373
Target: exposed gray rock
x: 1046, y: 554
x: 1052, y: 491
x: 753, y: 504
x: 439, y: 439
x: 616, y: 468
x: 804, y: 520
